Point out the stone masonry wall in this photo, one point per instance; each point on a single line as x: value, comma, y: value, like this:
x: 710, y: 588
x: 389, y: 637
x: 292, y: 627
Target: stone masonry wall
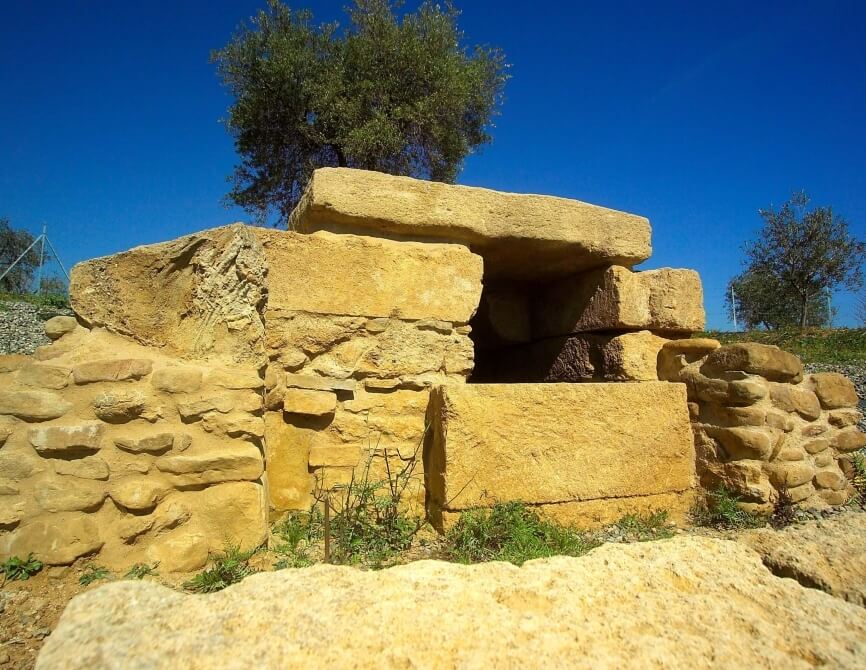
x: 109, y: 446
x: 760, y: 425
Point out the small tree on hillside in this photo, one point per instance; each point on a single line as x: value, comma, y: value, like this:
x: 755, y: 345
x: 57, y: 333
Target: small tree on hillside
x: 804, y: 254
x: 398, y: 96
x: 758, y: 301
x: 13, y: 243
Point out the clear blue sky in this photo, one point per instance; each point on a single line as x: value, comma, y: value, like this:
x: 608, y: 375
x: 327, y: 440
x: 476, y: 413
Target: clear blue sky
x: 694, y: 114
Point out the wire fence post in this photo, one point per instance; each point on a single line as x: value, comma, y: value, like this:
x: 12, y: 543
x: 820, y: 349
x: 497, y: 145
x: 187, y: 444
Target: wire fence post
x: 734, y: 308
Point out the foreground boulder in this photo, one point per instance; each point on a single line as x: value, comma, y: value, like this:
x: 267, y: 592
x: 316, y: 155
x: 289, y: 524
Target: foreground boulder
x: 685, y: 603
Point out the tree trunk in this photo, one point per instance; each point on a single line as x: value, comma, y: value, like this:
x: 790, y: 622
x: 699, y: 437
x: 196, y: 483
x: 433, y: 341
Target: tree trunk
x: 804, y: 312
x: 341, y: 157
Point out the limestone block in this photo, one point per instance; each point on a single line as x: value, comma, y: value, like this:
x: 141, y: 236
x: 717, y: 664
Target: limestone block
x: 11, y: 514
x: 394, y: 422
x: 676, y: 354
x: 192, y: 408
x: 816, y: 446
x: 13, y: 362
x: 800, y: 493
x: 229, y: 462
x: 234, y: 378
x: 287, y: 449
x: 361, y: 276
x: 111, y: 370
x: 7, y: 427
x: 834, y: 390
x: 592, y: 357
x: 139, y: 494
x: 813, y: 430
x: 123, y: 406
x: 234, y: 424
x: 842, y: 418
x: 615, y: 298
x: 746, y: 478
x: 55, y: 539
x: 511, y: 442
x: 309, y: 402
x: 181, y: 550
x: 746, y: 391
x: 834, y: 497
x: 69, y: 494
x: 791, y: 454
x: 35, y: 405
x: 199, y: 295
x: 526, y: 237
x: 791, y: 474
x: 91, y: 467
x: 745, y: 442
x: 235, y: 510
x: 315, y: 383
x: 19, y: 463
x: 849, y: 439
x: 780, y: 421
x: 503, y: 316
x: 830, y: 478
x: 41, y: 375
x: 177, y: 379
x: 67, y: 441
x: 330, y: 455
x: 56, y: 327
x: 758, y: 359
x: 796, y: 399
x: 151, y: 444
x: 823, y: 459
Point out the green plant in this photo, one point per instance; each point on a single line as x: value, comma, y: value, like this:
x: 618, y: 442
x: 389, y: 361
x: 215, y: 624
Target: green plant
x: 642, y: 528
x: 299, y: 531
x: 93, y: 573
x: 858, y: 479
x: 512, y: 532
x: 20, y: 569
x: 228, y: 568
x: 722, y: 510
x: 141, y: 570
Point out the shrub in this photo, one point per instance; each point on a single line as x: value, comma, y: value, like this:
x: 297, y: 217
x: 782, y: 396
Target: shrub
x: 228, y: 568
x: 20, y: 569
x: 511, y: 532
x: 141, y: 570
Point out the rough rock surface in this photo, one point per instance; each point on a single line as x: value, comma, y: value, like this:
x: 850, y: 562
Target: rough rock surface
x: 519, y: 236
x: 829, y: 555
x: 685, y: 603
x: 558, y: 443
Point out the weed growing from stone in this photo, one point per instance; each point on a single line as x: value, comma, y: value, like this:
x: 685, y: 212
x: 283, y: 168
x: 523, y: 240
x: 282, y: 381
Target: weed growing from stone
x: 93, y: 573
x: 723, y: 511
x: 228, y: 568
x: 644, y: 528
x: 20, y: 569
x: 783, y: 510
x: 299, y: 533
x: 141, y: 570
x: 858, y: 480
x: 511, y: 532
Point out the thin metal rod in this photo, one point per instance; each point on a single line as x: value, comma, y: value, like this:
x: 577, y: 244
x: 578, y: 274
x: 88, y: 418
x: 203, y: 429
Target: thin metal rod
x: 15, y: 262
x: 59, y: 262
x: 41, y: 261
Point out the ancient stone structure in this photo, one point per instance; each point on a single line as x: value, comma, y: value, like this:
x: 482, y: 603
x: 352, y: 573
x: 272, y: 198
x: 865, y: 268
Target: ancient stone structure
x: 761, y: 425
x: 212, y: 382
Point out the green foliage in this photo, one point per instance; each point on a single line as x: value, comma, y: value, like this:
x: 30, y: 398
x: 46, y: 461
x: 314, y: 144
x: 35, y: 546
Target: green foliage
x: 20, y: 569
x: 858, y: 479
x: 724, y: 512
x: 142, y: 570
x: 227, y: 568
x: 12, y: 244
x: 400, y: 95
x: 300, y: 532
x: 93, y: 573
x: 761, y: 301
x: 48, y: 300
x: 802, y: 254
x: 837, y: 346
x: 370, y: 526
x: 511, y: 532
x: 643, y: 528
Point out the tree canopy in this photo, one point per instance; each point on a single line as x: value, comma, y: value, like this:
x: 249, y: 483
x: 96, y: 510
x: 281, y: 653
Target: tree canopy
x: 799, y: 258
x: 13, y: 243
x: 398, y: 95
x: 759, y: 301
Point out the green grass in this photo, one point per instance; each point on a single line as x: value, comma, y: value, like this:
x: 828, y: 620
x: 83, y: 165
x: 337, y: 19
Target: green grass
x: 723, y: 512
x: 141, y: 570
x: 511, y: 532
x: 298, y: 532
x: 93, y: 573
x: 653, y: 526
x: 834, y: 346
x: 57, y: 300
x: 228, y: 568
x: 20, y: 569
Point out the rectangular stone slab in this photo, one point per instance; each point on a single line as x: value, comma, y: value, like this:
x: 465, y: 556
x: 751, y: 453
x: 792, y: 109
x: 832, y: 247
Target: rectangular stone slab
x: 615, y: 298
x: 526, y: 237
x: 553, y: 443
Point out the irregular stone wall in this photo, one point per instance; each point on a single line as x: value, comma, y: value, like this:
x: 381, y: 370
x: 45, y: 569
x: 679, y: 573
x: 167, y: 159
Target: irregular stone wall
x: 761, y: 425
x: 112, y: 447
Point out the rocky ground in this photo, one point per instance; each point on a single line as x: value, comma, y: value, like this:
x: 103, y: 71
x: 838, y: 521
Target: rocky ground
x: 21, y: 326
x: 828, y: 554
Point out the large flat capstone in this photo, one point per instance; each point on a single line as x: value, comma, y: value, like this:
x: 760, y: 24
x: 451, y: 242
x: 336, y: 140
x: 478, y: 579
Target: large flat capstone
x: 526, y: 237
x: 557, y: 443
